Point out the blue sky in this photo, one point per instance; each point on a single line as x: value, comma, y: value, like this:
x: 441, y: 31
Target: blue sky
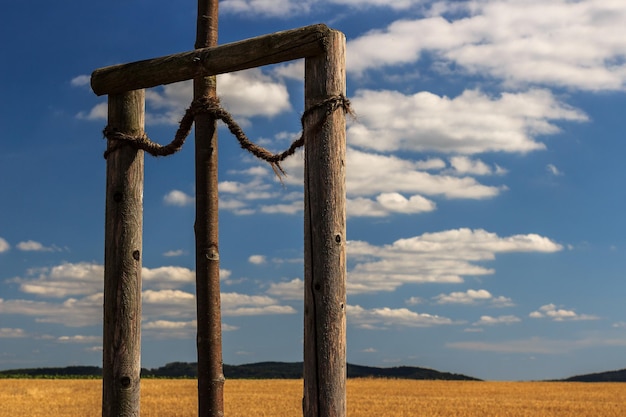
x: 485, y: 212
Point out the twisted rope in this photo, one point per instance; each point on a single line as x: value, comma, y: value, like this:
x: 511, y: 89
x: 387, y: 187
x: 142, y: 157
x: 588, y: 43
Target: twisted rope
x: 211, y: 106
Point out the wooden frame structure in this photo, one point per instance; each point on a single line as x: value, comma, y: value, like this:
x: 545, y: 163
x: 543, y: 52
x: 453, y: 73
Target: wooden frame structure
x: 324, y: 216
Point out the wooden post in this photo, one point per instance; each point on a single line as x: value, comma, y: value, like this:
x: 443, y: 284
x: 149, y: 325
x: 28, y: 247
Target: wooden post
x: 208, y: 302
x: 250, y: 53
x: 325, y: 237
x: 121, y: 365
x: 325, y: 217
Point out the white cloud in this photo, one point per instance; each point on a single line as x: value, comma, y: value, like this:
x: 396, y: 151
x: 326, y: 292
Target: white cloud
x: 371, y: 173
x: 168, y: 297
x: 554, y: 313
x: 67, y: 279
x: 492, y: 321
x: 167, y: 276
x: 289, y: 208
x: 462, y: 165
x: 4, y: 245
x: 72, y: 312
x: 414, y: 301
x: 244, y: 94
x: 377, y: 185
x: 574, y: 44
x: 293, y: 70
x: 467, y: 297
x: 251, y: 93
x: 430, y: 164
x: 97, y: 112
x: 467, y: 124
x: 32, y: 246
x: 173, y: 253
x: 473, y: 297
x: 11, y: 333
x: 388, y: 203
x: 257, y: 259
x: 442, y: 257
x: 395, y: 4
x: 79, y: 339
x: 178, y: 198
x: 84, y: 278
x: 290, y: 290
x: 380, y: 318
x: 80, y: 81
x: 274, y: 8
x: 552, y: 169
x: 235, y: 304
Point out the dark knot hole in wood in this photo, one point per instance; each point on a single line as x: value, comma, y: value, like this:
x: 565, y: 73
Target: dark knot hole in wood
x: 125, y: 381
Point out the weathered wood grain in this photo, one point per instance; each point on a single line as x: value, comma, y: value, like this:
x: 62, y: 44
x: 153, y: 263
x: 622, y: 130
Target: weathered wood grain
x: 208, y: 302
x: 121, y: 365
x: 325, y: 237
x: 263, y: 50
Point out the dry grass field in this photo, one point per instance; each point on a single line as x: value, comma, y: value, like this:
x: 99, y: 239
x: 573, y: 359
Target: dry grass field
x: 366, y: 398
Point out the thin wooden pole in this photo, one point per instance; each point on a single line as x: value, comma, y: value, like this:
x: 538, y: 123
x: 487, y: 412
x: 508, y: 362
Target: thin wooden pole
x: 121, y: 364
x: 325, y: 237
x: 209, y: 336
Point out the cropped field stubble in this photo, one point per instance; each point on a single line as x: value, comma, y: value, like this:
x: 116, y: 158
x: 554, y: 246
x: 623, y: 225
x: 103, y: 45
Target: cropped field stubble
x: 366, y: 397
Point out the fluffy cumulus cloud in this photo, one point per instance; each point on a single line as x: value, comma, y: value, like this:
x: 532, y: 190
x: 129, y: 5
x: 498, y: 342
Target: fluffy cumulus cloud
x: 178, y: 198
x: 11, y: 333
x: 79, y: 339
x: 375, y: 174
x: 473, y: 297
x: 257, y: 259
x: 290, y: 290
x: 245, y: 94
x: 33, y: 246
x: 395, y: 5
x: 574, y: 44
x: 72, y: 312
x: 288, y: 8
x: 274, y: 8
x: 471, y: 123
x: 380, y: 318
x: 552, y: 312
x: 377, y: 185
x: 67, y: 279
x: 235, y: 304
x: 462, y: 165
x: 387, y: 203
x: 492, y: 321
x: 4, y: 245
x: 442, y: 257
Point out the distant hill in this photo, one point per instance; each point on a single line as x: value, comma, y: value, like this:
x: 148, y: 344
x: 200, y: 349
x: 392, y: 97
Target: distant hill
x: 261, y: 370
x: 67, y: 372
x: 608, y: 376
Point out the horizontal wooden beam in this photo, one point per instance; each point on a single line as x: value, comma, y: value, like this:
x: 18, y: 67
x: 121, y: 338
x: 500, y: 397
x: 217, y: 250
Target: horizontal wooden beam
x: 263, y: 50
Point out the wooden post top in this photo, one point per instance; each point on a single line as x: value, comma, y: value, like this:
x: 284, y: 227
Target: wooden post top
x: 255, y: 52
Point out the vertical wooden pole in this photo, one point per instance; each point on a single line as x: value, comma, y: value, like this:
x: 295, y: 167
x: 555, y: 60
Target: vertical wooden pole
x: 209, y: 336
x: 325, y: 237
x: 121, y: 365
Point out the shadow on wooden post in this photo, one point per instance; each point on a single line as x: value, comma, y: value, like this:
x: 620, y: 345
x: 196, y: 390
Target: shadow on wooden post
x: 121, y: 365
x: 325, y: 236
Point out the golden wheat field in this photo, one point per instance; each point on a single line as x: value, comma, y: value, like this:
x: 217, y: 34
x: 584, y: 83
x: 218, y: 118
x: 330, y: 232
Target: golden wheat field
x: 366, y: 398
